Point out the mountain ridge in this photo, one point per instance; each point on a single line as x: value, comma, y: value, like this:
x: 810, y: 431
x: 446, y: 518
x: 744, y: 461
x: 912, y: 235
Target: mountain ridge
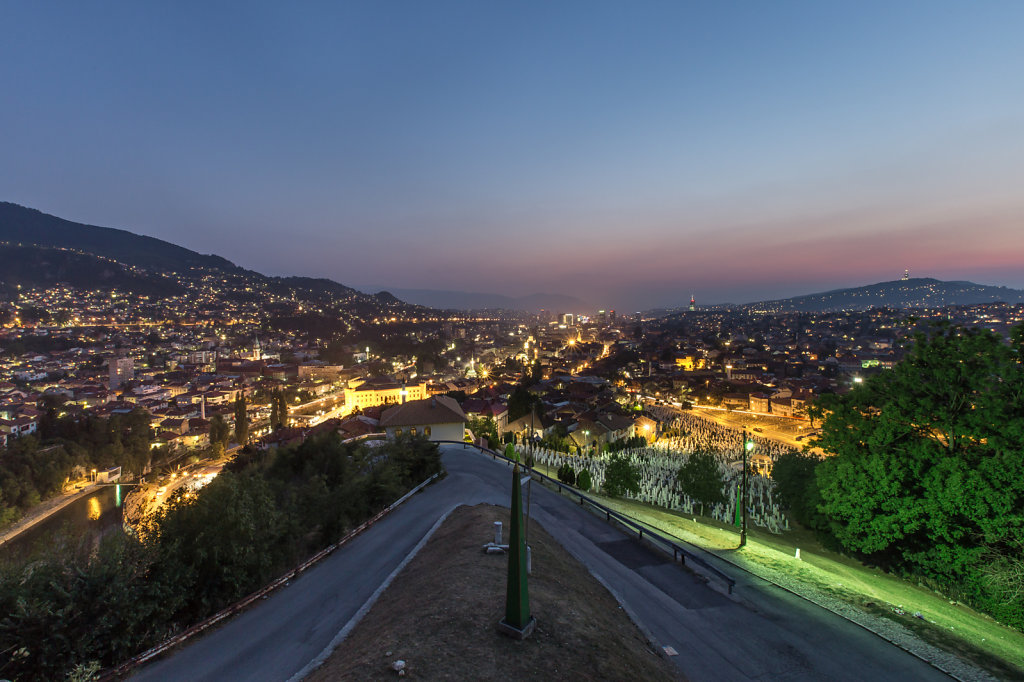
x: 24, y: 225
x: 920, y: 292
x: 24, y: 228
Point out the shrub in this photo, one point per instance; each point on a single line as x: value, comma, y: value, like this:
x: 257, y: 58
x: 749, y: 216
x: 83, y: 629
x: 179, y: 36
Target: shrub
x: 583, y: 481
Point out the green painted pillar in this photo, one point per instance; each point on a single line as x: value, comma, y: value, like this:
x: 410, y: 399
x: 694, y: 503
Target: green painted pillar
x: 518, y: 622
x: 739, y: 506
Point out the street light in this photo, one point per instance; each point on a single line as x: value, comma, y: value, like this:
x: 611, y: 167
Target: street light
x: 742, y: 500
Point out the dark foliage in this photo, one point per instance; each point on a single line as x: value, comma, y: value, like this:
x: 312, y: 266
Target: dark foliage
x: 796, y: 485
x: 620, y: 477
x: 32, y: 266
x: 257, y: 519
x: 701, y: 479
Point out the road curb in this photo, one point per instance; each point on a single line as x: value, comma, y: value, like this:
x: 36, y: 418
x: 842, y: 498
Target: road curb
x: 831, y: 610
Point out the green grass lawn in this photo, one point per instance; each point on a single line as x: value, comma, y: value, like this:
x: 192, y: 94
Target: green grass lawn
x: 956, y: 628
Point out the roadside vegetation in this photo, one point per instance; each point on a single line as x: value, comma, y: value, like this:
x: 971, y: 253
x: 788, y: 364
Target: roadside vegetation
x: 35, y: 468
x: 927, y: 476
x: 916, y: 514
x: 82, y: 607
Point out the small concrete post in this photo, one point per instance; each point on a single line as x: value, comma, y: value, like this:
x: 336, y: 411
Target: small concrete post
x: 529, y: 560
x: 797, y: 552
x: 497, y: 532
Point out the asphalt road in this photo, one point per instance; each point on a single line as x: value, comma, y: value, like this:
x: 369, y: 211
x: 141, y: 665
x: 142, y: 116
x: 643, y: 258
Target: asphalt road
x: 760, y: 632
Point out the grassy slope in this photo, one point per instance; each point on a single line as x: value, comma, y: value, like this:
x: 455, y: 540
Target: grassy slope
x: 954, y: 627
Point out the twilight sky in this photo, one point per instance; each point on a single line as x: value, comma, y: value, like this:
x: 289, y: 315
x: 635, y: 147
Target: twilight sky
x: 629, y: 153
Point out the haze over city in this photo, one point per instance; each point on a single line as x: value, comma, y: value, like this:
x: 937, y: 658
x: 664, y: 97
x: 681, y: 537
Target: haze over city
x: 629, y: 156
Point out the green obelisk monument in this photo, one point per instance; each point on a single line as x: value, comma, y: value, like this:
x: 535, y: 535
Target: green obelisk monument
x: 518, y: 622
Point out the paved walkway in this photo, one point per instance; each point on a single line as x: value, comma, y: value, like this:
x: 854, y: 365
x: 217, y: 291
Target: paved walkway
x: 43, y: 511
x: 760, y: 632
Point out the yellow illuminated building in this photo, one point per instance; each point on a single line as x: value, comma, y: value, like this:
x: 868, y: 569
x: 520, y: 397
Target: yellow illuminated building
x: 382, y: 391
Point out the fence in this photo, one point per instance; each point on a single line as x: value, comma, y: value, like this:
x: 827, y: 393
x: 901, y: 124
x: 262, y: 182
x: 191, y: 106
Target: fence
x: 679, y: 553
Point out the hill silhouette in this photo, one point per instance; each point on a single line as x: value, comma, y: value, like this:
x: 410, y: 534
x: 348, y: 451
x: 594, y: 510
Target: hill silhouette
x: 27, y: 226
x: 95, y: 248
x: 921, y: 292
x: 36, y: 266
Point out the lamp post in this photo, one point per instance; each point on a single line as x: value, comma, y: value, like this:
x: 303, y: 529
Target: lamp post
x: 742, y: 499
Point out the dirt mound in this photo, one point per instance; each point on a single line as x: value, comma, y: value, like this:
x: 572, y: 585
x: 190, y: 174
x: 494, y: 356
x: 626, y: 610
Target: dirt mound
x: 440, y: 613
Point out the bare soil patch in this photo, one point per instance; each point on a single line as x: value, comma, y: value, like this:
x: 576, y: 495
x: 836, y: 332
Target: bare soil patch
x: 440, y: 616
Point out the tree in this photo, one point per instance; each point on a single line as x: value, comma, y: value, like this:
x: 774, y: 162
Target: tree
x: 796, y: 486
x: 620, y: 477
x: 485, y: 427
x: 275, y: 419
x: 566, y: 474
x: 700, y: 478
x: 510, y: 452
x: 927, y: 477
x: 583, y: 481
x: 282, y: 409
x: 521, y: 402
x: 219, y: 432
x: 241, y: 420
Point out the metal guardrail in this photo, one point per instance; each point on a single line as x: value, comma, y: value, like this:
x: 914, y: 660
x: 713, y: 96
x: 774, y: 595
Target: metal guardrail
x: 679, y: 553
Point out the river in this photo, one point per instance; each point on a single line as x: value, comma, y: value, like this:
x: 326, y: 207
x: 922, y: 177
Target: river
x: 86, y: 519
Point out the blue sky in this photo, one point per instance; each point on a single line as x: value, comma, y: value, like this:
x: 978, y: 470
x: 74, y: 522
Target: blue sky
x: 626, y: 153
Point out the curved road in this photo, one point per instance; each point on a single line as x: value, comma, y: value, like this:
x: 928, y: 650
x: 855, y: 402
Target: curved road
x: 760, y: 632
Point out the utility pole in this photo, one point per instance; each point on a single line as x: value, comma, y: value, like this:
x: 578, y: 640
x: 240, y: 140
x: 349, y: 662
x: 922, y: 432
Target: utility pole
x: 742, y: 499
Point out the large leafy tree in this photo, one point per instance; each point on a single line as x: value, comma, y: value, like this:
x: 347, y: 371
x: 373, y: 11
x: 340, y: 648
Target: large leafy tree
x: 794, y: 474
x: 700, y: 478
x: 521, y: 402
x: 621, y: 477
x: 928, y: 472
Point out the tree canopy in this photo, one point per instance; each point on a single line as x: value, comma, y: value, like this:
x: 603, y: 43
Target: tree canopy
x: 700, y: 478
x: 928, y: 472
x: 620, y: 477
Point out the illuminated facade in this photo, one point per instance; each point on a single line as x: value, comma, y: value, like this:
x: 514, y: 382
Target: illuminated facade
x: 383, y: 391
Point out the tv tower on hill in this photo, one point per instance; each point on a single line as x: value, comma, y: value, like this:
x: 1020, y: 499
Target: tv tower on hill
x: 693, y: 303
x: 906, y: 275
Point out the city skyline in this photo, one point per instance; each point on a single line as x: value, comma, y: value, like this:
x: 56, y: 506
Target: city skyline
x: 627, y: 156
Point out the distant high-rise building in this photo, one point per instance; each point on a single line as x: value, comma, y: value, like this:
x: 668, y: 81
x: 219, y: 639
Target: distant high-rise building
x: 693, y: 303
x: 121, y: 370
x: 568, y: 318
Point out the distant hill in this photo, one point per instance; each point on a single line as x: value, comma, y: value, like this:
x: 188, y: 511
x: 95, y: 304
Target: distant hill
x: 315, y: 286
x: 29, y: 226
x: 922, y: 292
x: 67, y: 253
x: 36, y: 266
x: 467, y: 300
